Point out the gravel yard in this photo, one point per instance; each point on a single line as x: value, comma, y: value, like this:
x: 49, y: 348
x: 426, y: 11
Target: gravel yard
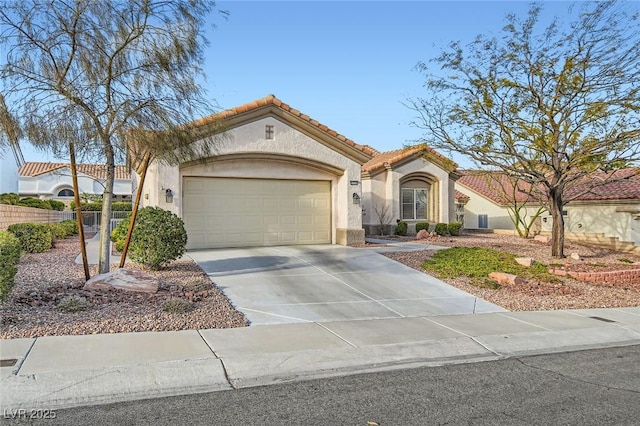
x: 44, y: 279
x: 567, y: 294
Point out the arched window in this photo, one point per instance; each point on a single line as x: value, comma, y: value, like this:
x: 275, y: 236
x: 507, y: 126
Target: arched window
x: 418, y: 198
x: 65, y: 193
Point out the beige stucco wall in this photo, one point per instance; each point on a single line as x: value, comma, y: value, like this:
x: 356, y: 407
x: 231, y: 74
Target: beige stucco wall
x: 599, y: 217
x: 244, y: 152
x: 19, y: 214
x: 384, y: 188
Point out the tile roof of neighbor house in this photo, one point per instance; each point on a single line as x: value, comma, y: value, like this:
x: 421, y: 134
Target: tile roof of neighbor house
x: 98, y: 171
x: 272, y: 100
x: 489, y: 184
x: 391, y: 158
x: 460, y: 196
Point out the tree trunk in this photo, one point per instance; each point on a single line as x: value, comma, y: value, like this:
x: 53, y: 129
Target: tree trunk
x: 134, y: 210
x: 76, y: 198
x: 557, y: 230
x: 105, y: 220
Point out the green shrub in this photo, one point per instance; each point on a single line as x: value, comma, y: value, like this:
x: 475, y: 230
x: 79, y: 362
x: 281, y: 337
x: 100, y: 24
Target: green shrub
x: 58, y: 231
x: 422, y: 225
x: 118, y: 206
x: 35, y: 203
x: 158, y: 237
x: 34, y: 237
x: 401, y: 228
x: 119, y: 233
x: 71, y: 226
x: 454, y: 228
x: 121, y: 206
x: 9, y: 258
x: 10, y: 198
x: 441, y: 229
x: 177, y: 306
x: 57, y: 205
x: 73, y: 304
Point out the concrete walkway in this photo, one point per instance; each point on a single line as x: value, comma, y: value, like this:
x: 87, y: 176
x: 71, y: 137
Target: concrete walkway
x: 66, y: 371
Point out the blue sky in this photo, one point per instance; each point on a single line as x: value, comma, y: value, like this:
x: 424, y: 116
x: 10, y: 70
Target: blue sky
x: 349, y: 65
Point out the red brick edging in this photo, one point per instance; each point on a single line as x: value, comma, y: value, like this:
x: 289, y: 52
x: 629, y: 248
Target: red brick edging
x: 624, y: 276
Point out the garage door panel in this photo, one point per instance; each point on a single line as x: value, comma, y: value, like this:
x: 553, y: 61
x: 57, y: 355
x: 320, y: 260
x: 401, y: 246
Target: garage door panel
x: 221, y: 212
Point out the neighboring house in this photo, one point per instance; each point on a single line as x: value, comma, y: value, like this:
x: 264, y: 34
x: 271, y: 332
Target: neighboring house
x: 8, y: 173
x: 53, y: 181
x: 612, y: 209
x: 411, y: 185
x: 280, y: 177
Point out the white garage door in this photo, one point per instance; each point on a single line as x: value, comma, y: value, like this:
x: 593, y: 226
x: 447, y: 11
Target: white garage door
x: 225, y: 212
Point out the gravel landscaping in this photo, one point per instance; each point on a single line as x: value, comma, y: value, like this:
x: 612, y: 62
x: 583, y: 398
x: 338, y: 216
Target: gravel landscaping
x: 45, y: 279
x: 567, y: 293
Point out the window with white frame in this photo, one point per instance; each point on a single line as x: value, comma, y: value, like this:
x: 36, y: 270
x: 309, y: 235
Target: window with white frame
x: 414, y: 203
x: 65, y: 193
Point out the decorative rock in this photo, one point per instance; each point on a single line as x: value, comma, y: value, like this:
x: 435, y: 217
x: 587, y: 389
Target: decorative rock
x: 524, y: 261
x: 506, y: 279
x: 123, y: 279
x: 542, y: 239
x: 422, y: 234
x: 575, y: 256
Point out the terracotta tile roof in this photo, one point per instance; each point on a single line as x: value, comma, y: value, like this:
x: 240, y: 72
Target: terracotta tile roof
x: 390, y: 158
x: 616, y: 189
x: 272, y: 100
x: 98, y: 171
x: 489, y: 184
x: 460, y: 196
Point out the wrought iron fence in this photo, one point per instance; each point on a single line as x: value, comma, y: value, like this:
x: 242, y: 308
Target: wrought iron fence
x: 91, y: 220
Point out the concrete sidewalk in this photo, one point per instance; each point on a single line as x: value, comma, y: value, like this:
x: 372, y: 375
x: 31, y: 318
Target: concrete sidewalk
x: 56, y: 372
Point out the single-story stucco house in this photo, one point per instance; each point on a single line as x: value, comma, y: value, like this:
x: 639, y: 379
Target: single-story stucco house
x: 280, y: 177
x: 53, y: 181
x: 612, y: 210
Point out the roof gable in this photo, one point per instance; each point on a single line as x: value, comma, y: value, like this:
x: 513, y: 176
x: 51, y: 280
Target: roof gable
x: 395, y: 158
x: 271, y: 105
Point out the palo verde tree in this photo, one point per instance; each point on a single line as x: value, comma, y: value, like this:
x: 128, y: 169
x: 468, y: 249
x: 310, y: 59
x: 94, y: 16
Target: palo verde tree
x: 99, y: 70
x: 550, y: 105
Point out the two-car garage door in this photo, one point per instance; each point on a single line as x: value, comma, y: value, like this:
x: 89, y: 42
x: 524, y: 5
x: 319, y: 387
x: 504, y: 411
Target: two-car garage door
x: 229, y: 212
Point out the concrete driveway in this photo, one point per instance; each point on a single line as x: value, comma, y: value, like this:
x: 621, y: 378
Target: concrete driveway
x: 273, y: 285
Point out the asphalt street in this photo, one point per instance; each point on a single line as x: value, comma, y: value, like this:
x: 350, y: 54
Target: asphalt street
x: 595, y: 387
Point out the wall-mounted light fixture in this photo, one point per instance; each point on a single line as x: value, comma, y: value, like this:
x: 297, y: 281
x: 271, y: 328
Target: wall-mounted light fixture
x: 356, y: 198
x: 168, y: 195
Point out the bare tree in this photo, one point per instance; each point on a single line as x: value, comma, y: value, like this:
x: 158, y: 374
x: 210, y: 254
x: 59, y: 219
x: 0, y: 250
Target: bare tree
x: 550, y: 106
x: 88, y: 72
x: 383, y: 214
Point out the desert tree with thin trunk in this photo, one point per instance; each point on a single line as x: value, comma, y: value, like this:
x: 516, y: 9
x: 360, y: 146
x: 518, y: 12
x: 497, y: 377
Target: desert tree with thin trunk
x: 92, y: 72
x: 551, y: 105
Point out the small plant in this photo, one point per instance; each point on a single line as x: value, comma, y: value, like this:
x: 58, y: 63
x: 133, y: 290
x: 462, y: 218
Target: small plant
x: 35, y: 203
x: 73, y: 304
x: 58, y: 231
x: 56, y: 205
x: 442, y: 229
x: 10, y: 198
x: 422, y: 225
x: 454, y: 228
x: 34, y: 237
x: 401, y: 229
x: 158, y: 237
x: 177, y: 306
x: 625, y: 260
x: 119, y: 233
x: 9, y: 258
x: 71, y: 226
x: 197, y: 284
